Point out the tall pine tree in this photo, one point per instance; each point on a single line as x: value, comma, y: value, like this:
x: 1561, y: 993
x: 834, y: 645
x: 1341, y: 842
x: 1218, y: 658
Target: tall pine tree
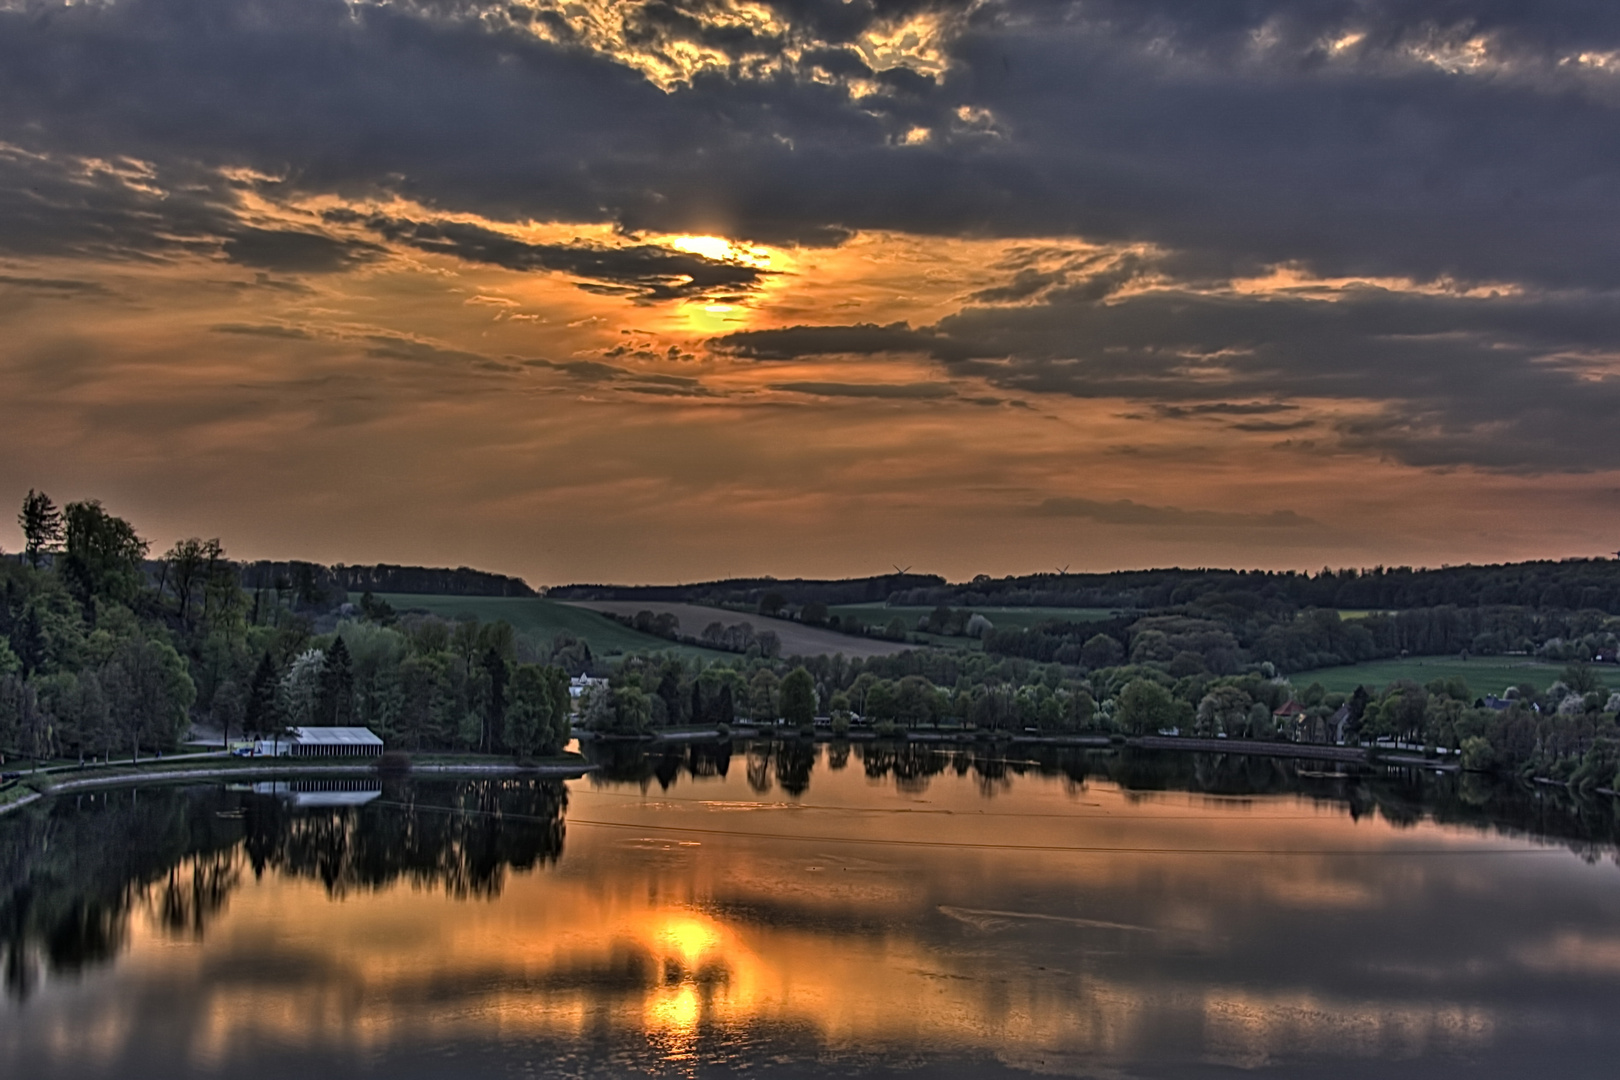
x: 495, y: 715
x: 335, y: 705
x: 41, y: 525
x: 263, y: 714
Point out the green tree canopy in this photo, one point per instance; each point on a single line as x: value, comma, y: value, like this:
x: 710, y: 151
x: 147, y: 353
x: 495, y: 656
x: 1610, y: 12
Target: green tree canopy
x: 529, y: 710
x: 104, y: 554
x: 1145, y: 707
x: 798, y: 698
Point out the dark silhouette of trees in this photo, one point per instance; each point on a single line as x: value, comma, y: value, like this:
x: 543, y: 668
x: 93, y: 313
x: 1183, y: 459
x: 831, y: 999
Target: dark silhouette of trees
x: 103, y: 555
x: 41, y: 525
x: 335, y: 704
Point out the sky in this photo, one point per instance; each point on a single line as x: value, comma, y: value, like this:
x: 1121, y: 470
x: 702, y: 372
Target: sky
x: 607, y: 290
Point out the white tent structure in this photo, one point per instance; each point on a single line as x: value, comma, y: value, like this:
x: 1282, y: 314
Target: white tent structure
x: 324, y: 742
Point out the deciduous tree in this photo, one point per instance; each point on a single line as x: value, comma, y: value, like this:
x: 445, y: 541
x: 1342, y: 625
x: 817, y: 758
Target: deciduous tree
x: 798, y: 698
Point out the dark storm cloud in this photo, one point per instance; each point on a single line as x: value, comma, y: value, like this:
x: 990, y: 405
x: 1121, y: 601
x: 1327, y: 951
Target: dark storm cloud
x: 1517, y: 383
x: 1462, y: 140
x: 1126, y: 512
x: 862, y: 339
x: 293, y: 252
x: 646, y: 272
x: 68, y: 205
x: 1232, y: 135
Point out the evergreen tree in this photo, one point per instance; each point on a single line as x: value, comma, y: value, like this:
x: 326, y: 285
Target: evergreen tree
x: 335, y: 706
x: 562, y: 708
x: 41, y: 525
x: 28, y: 641
x: 263, y: 715
x: 669, y: 691
x: 495, y: 714
x: 725, y: 709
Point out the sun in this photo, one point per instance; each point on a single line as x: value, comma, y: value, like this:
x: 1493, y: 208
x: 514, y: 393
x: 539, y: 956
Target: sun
x: 710, y: 247
x: 689, y: 937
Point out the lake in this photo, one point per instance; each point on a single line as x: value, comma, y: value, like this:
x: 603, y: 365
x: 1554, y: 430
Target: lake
x: 795, y: 910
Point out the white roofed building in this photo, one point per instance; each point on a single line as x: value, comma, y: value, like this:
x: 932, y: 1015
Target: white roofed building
x: 328, y: 742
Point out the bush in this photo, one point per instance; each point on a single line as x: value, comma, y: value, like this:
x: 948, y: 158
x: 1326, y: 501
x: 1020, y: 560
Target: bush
x: 1477, y: 755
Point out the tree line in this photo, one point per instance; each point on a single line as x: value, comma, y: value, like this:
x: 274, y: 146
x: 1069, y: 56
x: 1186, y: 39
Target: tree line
x: 105, y: 651
x: 1568, y: 584
x: 1223, y: 639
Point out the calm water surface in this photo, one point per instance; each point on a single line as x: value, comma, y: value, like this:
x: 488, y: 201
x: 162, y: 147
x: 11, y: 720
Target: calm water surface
x: 792, y: 911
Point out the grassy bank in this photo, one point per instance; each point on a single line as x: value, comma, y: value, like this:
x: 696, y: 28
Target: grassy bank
x: 1484, y: 675
x: 541, y: 620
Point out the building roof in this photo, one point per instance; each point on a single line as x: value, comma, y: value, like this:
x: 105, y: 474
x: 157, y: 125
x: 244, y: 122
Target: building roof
x: 335, y: 736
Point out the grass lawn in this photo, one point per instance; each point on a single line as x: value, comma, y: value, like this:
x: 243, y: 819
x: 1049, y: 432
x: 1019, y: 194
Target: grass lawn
x: 541, y: 620
x: 1484, y: 675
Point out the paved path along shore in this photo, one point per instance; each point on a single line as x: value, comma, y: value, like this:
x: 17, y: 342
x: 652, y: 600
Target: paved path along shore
x: 274, y: 772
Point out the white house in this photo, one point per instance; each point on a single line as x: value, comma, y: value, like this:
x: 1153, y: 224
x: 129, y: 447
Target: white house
x: 581, y: 683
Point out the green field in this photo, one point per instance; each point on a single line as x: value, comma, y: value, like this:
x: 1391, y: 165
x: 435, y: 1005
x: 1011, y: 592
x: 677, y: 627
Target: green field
x: 1002, y: 617
x: 540, y: 620
x: 1484, y: 675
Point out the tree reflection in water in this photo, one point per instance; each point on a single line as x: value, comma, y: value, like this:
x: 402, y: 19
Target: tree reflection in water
x: 77, y: 871
x: 1403, y: 797
x: 639, y: 763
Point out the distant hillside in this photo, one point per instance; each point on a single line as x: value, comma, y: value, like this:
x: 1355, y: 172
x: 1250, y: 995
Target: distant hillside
x: 313, y: 578
x: 1569, y: 585
x: 749, y: 591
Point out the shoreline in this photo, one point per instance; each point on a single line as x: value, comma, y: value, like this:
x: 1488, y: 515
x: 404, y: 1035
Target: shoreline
x: 551, y: 771
x: 1188, y: 744
x: 1354, y: 755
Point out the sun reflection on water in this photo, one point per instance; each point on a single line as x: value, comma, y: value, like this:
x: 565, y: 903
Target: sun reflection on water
x: 684, y: 954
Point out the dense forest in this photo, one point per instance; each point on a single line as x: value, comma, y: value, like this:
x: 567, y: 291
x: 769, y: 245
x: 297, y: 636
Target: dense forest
x: 314, y: 581
x: 105, y: 651
x: 1569, y: 585
x: 750, y: 592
